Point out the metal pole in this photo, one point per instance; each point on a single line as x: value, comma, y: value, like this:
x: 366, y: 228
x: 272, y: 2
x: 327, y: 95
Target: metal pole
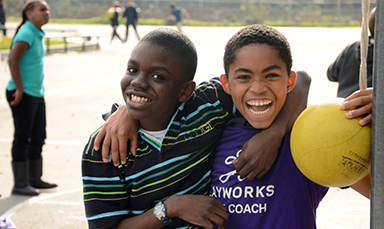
x: 338, y: 10
x: 290, y: 10
x: 377, y: 172
x: 68, y: 8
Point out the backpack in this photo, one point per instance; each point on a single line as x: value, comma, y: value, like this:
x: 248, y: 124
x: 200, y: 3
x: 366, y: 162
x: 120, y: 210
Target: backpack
x: 110, y: 13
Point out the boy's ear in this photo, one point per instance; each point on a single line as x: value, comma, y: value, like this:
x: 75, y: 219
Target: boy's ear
x: 291, y: 81
x: 187, y: 91
x: 224, y: 82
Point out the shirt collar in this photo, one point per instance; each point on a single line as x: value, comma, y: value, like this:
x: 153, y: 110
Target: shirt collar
x: 40, y: 33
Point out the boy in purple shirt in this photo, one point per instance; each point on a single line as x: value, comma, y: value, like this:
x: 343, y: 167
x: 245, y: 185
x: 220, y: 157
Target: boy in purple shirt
x: 257, y: 63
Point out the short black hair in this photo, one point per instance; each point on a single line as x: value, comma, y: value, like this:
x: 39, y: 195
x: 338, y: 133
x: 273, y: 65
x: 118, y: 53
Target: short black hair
x: 257, y: 34
x: 180, y: 45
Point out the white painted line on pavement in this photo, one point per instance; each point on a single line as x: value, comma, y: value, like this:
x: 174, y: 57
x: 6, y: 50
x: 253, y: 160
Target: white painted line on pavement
x: 77, y: 86
x: 53, y: 142
x: 323, y: 218
x: 77, y: 203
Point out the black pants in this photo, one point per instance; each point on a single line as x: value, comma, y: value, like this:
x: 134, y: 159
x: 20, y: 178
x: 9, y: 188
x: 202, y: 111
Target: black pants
x: 127, y: 30
x: 114, y: 33
x: 2, y: 23
x: 29, y: 121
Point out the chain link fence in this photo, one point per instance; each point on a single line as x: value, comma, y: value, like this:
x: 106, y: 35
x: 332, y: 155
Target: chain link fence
x: 247, y: 11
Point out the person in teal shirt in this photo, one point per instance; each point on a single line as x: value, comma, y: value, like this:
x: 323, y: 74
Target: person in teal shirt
x: 25, y: 95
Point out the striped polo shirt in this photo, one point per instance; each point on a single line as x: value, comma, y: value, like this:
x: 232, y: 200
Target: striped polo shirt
x: 181, y: 164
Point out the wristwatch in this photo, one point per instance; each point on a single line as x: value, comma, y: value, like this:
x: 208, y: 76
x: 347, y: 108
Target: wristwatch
x: 159, y: 212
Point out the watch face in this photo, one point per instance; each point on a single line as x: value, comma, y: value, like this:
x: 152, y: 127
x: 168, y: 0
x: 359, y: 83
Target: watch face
x: 157, y: 210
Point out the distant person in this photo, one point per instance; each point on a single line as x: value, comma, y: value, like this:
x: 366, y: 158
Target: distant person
x: 346, y: 68
x: 131, y: 13
x: 178, y: 15
x: 113, y: 14
x: 25, y: 95
x: 3, y: 17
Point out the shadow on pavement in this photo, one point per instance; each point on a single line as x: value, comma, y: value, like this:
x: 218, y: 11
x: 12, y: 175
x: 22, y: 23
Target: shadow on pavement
x: 16, y: 201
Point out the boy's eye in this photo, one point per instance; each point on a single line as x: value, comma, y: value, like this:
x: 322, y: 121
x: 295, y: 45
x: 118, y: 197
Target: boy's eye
x: 272, y: 75
x: 131, y: 70
x: 243, y: 77
x: 158, y: 77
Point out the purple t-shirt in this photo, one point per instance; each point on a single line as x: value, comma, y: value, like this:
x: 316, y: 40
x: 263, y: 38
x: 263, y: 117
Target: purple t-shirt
x: 282, y: 198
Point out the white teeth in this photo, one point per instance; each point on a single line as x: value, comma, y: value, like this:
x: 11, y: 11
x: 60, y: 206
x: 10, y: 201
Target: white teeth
x: 259, y: 103
x: 138, y: 99
x: 260, y: 112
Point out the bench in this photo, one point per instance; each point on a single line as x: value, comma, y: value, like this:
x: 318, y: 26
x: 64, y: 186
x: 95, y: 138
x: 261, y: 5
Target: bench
x: 86, y: 36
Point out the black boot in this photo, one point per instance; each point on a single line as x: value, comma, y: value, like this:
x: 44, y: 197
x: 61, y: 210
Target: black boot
x: 35, y: 171
x: 20, y: 175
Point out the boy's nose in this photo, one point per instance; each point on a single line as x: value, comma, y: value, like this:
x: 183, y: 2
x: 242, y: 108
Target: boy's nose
x: 140, y: 81
x: 258, y: 87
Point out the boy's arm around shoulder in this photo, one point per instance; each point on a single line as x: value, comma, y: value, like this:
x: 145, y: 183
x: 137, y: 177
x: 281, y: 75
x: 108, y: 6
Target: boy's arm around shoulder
x: 260, y: 152
x: 213, y: 92
x: 119, y: 126
x: 296, y: 102
x: 115, y: 133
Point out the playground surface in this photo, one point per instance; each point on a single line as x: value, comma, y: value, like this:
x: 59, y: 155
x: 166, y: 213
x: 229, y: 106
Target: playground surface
x: 80, y: 86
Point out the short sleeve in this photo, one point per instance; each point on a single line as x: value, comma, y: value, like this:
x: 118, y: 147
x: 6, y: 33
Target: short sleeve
x: 26, y: 36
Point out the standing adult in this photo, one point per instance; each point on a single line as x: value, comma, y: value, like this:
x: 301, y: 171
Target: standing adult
x: 25, y: 95
x: 346, y: 68
x: 115, y: 12
x: 3, y: 17
x: 131, y: 13
x: 178, y: 15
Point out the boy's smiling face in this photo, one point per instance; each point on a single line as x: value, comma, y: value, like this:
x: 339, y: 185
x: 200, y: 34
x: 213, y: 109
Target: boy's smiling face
x: 258, y: 82
x: 153, y: 87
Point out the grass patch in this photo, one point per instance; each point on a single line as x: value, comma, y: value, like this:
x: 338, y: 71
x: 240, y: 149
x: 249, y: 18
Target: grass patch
x: 5, y: 43
x: 311, y: 24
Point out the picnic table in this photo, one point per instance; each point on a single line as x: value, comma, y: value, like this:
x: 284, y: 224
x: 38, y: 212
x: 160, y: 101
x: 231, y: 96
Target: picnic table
x: 86, y: 36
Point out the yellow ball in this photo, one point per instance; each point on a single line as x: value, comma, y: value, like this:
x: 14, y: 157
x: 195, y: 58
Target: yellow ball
x: 330, y: 149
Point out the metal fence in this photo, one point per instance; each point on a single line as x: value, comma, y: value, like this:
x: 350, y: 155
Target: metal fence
x: 324, y: 11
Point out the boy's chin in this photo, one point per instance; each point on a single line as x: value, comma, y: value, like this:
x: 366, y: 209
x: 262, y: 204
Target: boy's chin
x: 134, y: 114
x: 261, y: 127
x: 260, y: 124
